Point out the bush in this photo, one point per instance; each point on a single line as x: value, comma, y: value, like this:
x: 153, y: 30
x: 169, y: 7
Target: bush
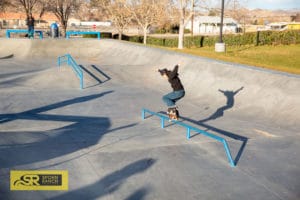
x: 90, y: 36
x: 138, y: 39
x: 123, y: 37
x: 102, y: 35
x: 106, y: 35
x: 173, y: 28
x: 187, y: 30
x: 279, y: 37
x: 166, y: 42
x: 256, y: 38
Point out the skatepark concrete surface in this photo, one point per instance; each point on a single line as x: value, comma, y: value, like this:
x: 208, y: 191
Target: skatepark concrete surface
x: 98, y: 136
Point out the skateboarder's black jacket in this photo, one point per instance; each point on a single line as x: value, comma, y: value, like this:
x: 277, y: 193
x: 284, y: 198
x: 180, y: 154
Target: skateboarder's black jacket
x: 174, y: 80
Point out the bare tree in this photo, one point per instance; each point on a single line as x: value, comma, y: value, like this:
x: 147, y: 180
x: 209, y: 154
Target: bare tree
x: 62, y: 10
x: 186, y: 13
x: 147, y: 13
x: 118, y: 13
x: 192, y: 18
x: 28, y: 5
x: 41, y: 8
x: 3, y: 4
x: 235, y: 10
x: 86, y: 12
x: 92, y: 10
x: 98, y: 3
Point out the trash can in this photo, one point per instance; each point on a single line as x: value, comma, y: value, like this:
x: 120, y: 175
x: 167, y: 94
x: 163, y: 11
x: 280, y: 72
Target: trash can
x: 54, y: 30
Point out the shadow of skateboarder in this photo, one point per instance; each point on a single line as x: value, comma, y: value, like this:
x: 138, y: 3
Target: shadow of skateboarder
x: 229, y: 104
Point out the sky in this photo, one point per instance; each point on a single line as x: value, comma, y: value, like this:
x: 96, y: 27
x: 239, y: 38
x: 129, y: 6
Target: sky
x: 272, y: 4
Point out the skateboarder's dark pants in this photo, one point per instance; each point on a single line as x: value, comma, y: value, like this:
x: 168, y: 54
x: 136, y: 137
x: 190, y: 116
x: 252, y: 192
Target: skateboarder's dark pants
x: 171, y: 98
x: 30, y: 31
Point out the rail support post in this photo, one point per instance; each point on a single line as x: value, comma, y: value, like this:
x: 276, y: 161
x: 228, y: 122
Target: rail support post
x: 188, y: 133
x: 143, y: 113
x: 162, y: 122
x: 228, y: 153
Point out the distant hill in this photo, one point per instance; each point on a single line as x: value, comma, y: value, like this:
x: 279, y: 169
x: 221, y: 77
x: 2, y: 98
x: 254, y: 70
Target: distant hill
x: 261, y: 16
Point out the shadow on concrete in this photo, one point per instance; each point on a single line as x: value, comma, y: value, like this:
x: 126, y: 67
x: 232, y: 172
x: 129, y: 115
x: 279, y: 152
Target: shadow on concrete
x: 229, y: 104
x: 25, y: 147
x: 31, y: 114
x: 90, y: 74
x: 139, y: 194
x: 95, y: 73
x: 231, y: 135
x: 107, y: 78
x: 217, y: 114
x: 111, y: 183
x: 16, y: 78
x: 209, y: 128
x: 7, y: 57
x: 8, y: 75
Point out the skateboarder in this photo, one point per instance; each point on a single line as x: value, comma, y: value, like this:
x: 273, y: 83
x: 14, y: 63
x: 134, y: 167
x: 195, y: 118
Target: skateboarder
x: 30, y: 24
x: 178, y: 91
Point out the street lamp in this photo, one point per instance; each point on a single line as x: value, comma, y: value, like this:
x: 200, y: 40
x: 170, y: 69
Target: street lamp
x: 220, y: 46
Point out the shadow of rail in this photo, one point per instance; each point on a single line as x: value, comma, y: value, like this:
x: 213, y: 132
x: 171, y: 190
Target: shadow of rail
x: 228, y: 134
x: 191, y: 127
x: 96, y: 74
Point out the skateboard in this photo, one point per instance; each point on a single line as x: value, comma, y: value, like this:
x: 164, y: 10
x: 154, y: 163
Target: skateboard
x: 173, y: 113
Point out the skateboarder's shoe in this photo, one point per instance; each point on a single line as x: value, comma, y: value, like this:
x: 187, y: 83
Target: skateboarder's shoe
x: 169, y: 110
x: 173, y: 114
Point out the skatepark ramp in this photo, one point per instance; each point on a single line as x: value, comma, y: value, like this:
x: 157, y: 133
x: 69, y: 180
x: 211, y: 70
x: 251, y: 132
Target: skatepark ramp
x: 265, y: 94
x: 97, y: 133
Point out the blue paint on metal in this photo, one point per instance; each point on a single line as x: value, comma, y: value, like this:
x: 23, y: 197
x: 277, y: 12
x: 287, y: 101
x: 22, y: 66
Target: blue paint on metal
x: 9, y: 31
x: 143, y: 115
x: 68, y: 33
x: 162, y: 122
x: 188, y: 133
x: 226, y: 147
x: 190, y: 128
x: 71, y: 62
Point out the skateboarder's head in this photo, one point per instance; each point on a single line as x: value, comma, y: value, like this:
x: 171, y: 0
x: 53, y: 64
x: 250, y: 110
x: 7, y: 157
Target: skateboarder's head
x: 164, y: 72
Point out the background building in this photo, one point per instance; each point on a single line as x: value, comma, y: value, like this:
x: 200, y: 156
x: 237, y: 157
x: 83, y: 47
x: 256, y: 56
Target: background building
x: 211, y: 25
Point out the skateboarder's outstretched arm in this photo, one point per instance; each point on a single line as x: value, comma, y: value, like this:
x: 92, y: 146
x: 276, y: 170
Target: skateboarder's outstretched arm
x: 174, y: 72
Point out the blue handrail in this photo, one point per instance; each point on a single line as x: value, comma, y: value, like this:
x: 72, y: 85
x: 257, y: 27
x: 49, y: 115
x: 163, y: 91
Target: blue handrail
x: 190, y: 128
x: 71, y: 62
x: 9, y: 31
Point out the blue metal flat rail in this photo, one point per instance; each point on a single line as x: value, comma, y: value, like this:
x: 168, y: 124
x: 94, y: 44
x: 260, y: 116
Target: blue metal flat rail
x: 71, y: 62
x: 68, y: 33
x: 190, y: 128
x: 9, y: 31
